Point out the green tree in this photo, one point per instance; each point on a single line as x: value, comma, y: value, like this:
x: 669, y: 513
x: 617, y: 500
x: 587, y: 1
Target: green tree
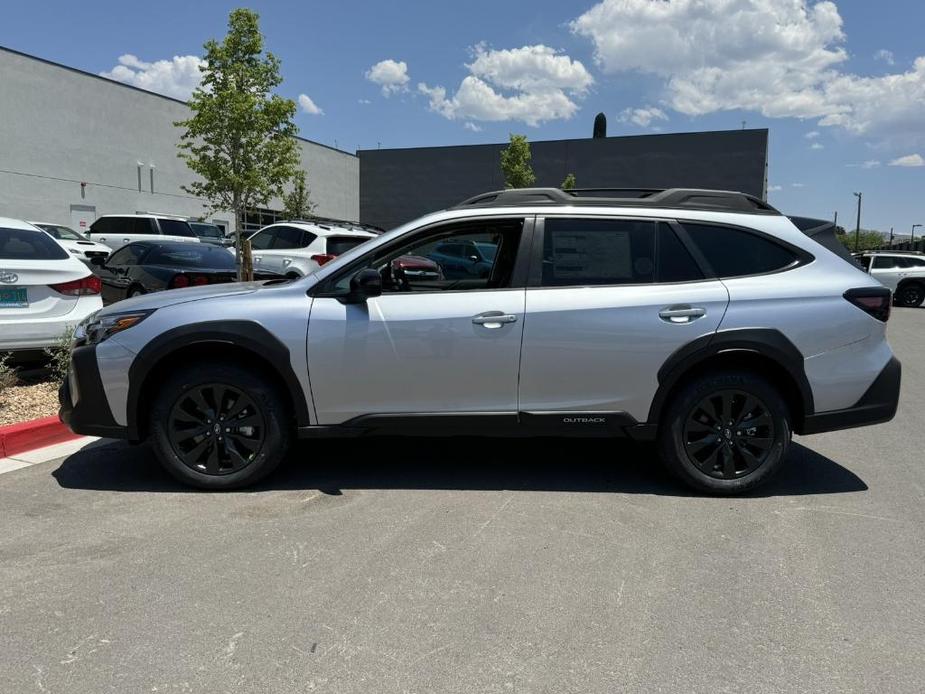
x: 867, y: 240
x: 515, y: 163
x: 298, y: 204
x: 569, y: 182
x: 240, y: 139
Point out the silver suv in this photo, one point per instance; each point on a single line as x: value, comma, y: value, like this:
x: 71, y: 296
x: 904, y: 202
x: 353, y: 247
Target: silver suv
x: 703, y: 320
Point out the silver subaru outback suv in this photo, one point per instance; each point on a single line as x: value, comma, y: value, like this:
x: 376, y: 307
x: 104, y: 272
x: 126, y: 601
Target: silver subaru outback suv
x: 705, y: 321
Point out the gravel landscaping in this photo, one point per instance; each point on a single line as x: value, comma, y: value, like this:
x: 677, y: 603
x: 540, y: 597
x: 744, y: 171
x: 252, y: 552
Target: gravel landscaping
x: 22, y: 403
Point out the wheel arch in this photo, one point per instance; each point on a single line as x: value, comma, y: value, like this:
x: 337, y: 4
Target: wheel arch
x: 242, y: 342
x: 766, y: 351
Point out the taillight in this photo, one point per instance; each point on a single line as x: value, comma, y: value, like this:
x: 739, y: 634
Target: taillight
x: 323, y: 258
x: 875, y: 301
x: 179, y: 281
x: 200, y: 280
x: 87, y: 285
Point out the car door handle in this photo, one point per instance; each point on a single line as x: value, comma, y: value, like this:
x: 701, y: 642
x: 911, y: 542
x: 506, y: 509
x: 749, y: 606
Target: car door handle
x: 493, y: 319
x: 681, y: 314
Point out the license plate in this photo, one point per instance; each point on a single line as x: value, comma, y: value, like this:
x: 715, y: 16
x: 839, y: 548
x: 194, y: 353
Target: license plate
x: 13, y: 297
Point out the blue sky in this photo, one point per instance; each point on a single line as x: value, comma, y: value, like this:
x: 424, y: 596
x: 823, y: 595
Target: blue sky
x: 837, y: 83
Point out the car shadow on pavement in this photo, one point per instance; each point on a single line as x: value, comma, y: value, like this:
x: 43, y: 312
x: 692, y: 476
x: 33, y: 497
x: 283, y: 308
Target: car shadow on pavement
x: 541, y: 464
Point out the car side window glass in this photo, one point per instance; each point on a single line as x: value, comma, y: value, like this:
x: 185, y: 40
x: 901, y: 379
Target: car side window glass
x: 127, y: 255
x: 736, y: 252
x: 308, y: 238
x: 588, y: 252
x: 916, y: 262
x: 423, y: 265
x: 263, y: 240
x: 287, y: 238
x: 141, y: 226
x: 675, y: 263
x: 884, y: 262
x: 100, y: 226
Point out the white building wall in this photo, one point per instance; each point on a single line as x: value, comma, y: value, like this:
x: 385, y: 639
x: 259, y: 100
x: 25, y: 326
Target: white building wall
x: 60, y: 127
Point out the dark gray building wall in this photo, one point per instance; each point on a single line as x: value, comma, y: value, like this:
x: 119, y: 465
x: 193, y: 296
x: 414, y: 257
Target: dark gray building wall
x: 397, y: 185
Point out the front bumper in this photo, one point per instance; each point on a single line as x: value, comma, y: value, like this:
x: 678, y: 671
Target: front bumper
x: 877, y: 405
x: 84, y: 407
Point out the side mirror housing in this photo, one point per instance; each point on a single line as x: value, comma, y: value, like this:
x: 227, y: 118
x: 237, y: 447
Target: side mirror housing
x: 366, y: 284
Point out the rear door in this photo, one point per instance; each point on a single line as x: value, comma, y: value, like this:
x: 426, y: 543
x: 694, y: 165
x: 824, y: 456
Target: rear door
x: 609, y: 300
x: 888, y: 270
x: 274, y: 247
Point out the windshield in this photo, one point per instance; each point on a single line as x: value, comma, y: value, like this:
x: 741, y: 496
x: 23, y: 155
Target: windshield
x: 25, y: 244
x: 60, y: 232
x: 207, y: 230
x: 175, y: 227
x: 192, y: 255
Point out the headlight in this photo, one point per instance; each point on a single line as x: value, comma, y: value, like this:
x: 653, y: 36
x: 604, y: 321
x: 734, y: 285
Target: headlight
x: 94, y: 330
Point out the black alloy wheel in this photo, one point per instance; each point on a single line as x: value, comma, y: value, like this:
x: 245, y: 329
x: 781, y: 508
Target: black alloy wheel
x: 216, y: 429
x: 911, y: 295
x: 729, y: 434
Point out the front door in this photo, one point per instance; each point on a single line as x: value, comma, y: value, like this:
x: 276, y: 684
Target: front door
x: 610, y: 301
x: 431, y: 344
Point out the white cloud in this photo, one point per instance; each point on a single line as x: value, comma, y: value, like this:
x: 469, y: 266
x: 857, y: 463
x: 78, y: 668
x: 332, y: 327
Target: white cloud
x: 177, y: 77
x: 910, y: 161
x: 817, y: 145
x: 542, y: 85
x: 886, y: 56
x: 869, y: 164
x: 798, y: 185
x: 781, y: 58
x: 364, y: 101
x: 309, y: 106
x: 642, y: 117
x: 812, y: 135
x: 469, y: 125
x: 774, y: 189
x: 390, y: 75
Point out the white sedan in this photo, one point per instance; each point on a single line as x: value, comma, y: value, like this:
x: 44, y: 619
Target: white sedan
x: 44, y: 290
x: 74, y: 242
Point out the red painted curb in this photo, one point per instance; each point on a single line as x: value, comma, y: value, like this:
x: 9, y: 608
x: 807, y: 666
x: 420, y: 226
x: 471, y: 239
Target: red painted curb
x: 25, y: 436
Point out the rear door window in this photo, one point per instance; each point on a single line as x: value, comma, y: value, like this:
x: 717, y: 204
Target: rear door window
x: 736, y: 253
x: 140, y: 226
x: 288, y: 238
x: 588, y: 252
x: 176, y: 227
x: 25, y: 244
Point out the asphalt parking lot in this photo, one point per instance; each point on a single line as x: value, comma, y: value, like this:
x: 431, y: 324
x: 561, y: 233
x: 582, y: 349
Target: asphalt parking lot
x: 474, y: 566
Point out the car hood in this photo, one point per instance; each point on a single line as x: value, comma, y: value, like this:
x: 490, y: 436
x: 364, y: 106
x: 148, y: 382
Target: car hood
x: 173, y: 297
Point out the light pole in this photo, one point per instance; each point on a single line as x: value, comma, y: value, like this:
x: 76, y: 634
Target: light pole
x: 891, y: 237
x: 857, y: 231
x: 912, y: 240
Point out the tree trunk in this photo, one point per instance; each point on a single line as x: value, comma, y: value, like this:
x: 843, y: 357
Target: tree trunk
x: 238, y: 240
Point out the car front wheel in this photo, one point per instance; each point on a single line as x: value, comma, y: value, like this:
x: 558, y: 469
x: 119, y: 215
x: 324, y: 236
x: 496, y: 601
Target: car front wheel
x: 911, y: 295
x: 219, y: 426
x: 725, y: 432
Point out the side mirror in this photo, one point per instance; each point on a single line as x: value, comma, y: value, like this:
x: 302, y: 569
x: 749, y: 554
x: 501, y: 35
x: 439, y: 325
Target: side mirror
x: 98, y: 261
x: 366, y: 284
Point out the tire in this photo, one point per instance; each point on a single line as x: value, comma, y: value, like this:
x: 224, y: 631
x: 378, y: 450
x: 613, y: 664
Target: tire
x: 187, y: 436
x: 911, y: 295
x: 728, y: 460
x: 135, y: 291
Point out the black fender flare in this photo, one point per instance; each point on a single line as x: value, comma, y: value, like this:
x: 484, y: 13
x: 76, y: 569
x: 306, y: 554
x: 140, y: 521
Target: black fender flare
x: 244, y: 334
x: 767, y: 342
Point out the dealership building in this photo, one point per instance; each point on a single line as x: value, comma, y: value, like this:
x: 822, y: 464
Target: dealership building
x: 74, y: 145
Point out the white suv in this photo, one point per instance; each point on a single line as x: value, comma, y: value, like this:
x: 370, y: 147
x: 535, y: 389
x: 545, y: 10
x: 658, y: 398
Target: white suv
x: 295, y: 249
x: 703, y: 320
x: 117, y: 230
x: 904, y: 273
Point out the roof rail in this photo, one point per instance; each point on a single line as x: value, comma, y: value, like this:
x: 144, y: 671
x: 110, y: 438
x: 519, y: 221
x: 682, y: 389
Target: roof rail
x: 674, y: 198
x: 334, y: 222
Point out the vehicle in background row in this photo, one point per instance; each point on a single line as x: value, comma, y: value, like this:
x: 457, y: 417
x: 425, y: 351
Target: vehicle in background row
x: 464, y: 259
x: 296, y: 249
x: 705, y: 321
x: 44, y: 290
x: 144, y: 267
x: 211, y: 233
x: 74, y: 242
x: 116, y: 230
x: 904, y: 273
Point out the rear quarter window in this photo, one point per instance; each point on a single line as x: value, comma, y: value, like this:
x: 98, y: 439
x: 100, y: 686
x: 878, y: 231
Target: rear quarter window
x: 23, y: 244
x: 736, y: 253
x: 338, y: 245
x: 176, y: 227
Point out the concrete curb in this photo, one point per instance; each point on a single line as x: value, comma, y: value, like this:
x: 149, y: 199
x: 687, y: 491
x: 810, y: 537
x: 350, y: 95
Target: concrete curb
x: 26, y: 436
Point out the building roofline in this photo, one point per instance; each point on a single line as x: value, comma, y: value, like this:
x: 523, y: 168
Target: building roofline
x: 571, y: 139
x: 85, y: 73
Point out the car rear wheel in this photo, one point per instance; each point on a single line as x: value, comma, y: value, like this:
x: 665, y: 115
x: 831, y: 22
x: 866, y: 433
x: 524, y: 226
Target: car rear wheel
x: 911, y: 295
x: 725, y: 432
x: 219, y: 426
x: 135, y: 291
